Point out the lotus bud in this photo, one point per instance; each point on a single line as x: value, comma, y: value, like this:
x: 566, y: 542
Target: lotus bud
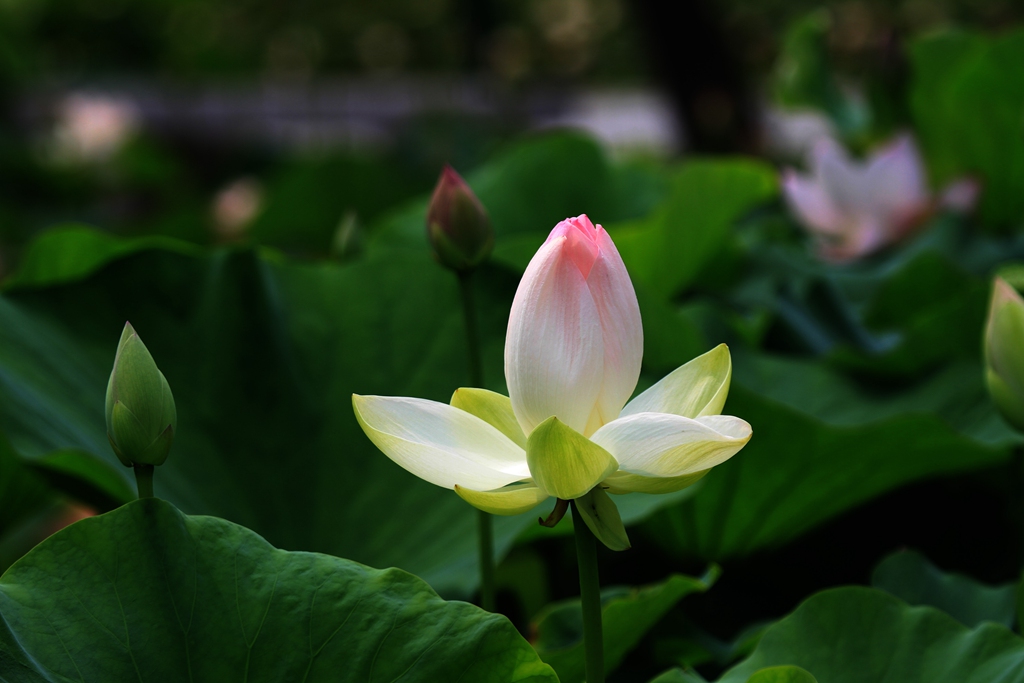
x: 1004, y: 352
x: 141, y: 418
x: 458, y: 227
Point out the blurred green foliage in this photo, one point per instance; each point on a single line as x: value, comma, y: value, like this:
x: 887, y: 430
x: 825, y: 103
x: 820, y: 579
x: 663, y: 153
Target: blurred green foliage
x: 969, y: 111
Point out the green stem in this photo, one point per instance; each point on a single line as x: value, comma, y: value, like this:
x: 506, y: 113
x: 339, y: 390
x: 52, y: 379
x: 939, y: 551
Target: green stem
x: 590, y: 597
x: 144, y: 478
x: 486, y: 538
x: 485, y: 530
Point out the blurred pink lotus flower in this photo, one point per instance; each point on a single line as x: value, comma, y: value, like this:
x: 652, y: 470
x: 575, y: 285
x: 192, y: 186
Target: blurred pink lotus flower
x: 235, y: 207
x: 92, y: 127
x: 854, y: 208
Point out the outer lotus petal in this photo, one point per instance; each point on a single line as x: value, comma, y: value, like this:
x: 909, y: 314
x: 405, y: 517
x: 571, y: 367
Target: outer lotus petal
x: 696, y: 388
x: 624, y: 482
x: 510, y: 500
x: 622, y: 331
x: 554, y: 355
x: 565, y: 463
x: 439, y: 443
x: 896, y: 177
x: 493, y: 408
x: 810, y: 202
x: 660, y: 445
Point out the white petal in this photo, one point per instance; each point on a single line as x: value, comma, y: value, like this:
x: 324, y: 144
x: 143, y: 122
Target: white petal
x: 622, y: 330
x: 660, y: 445
x: 699, y: 387
x: 440, y: 443
x: 554, y: 355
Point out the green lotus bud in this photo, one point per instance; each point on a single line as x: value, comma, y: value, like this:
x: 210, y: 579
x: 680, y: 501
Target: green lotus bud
x: 141, y: 418
x: 1004, y: 352
x: 458, y: 227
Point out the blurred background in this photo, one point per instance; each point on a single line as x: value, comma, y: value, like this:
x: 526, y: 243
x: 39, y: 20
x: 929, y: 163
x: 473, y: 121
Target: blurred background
x: 220, y: 121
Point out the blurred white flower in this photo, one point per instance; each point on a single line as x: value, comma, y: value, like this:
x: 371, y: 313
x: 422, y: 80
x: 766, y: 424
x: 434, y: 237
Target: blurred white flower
x: 91, y: 127
x: 235, y: 206
x: 854, y: 208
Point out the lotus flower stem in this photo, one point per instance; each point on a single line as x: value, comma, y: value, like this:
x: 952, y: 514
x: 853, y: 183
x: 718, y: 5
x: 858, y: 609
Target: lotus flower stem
x: 590, y: 596
x: 144, y: 479
x: 485, y: 531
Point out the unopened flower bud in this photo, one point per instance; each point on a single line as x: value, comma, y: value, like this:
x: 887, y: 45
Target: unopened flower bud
x: 458, y: 227
x: 1004, y: 352
x: 141, y: 418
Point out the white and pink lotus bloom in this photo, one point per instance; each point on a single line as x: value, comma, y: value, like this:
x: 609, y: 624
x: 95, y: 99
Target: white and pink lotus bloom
x: 853, y: 208
x: 572, y: 360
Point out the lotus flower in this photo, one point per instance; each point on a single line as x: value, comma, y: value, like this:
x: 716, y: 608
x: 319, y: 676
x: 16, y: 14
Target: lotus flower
x: 855, y: 208
x: 572, y: 360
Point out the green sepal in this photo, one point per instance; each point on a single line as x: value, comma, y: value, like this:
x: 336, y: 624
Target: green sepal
x: 563, y: 462
x: 602, y: 517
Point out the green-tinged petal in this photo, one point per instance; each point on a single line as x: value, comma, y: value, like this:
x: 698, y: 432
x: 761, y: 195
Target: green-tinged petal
x: 624, y: 482
x: 1009, y: 403
x: 157, y: 452
x: 602, y: 517
x: 493, y: 408
x: 565, y: 463
x: 141, y: 387
x: 660, y: 445
x: 695, y: 389
x: 130, y: 436
x: 439, y: 443
x: 509, y: 500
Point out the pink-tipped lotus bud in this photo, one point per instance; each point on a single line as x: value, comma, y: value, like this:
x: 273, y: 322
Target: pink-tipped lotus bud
x: 458, y: 227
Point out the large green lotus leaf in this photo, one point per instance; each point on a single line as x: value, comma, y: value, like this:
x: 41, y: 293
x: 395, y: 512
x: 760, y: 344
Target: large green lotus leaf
x: 822, y: 445
x: 862, y: 635
x: 666, y: 250
x: 626, y: 614
x: 967, y: 100
x: 911, y: 577
x: 71, y: 252
x: 147, y: 593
